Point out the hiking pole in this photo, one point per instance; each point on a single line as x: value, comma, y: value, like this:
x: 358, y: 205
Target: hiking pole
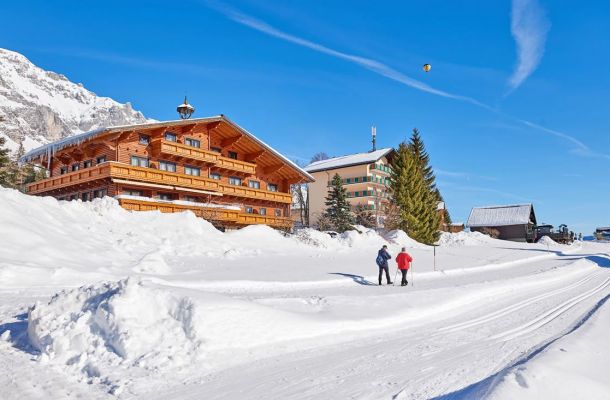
x: 412, y: 273
x: 395, y: 275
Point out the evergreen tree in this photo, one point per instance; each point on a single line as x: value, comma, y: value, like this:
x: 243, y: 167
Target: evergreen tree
x: 5, y: 165
x: 338, y: 210
x: 414, y: 191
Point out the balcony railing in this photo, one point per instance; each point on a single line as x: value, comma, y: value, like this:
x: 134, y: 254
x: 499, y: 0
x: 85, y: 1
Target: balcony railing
x: 230, y: 164
x: 118, y: 170
x: 250, y: 219
x: 211, y: 214
x: 167, y: 147
x: 381, y: 167
x: 258, y: 194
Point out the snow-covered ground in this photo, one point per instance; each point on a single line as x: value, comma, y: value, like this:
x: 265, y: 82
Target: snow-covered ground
x: 97, y: 302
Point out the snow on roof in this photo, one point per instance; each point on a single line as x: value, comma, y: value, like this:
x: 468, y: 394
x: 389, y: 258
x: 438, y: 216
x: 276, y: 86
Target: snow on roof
x: 518, y: 214
x: 50, y: 149
x: 349, y: 160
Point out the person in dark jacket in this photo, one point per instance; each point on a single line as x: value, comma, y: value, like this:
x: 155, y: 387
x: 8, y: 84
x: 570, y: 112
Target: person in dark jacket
x: 382, y: 261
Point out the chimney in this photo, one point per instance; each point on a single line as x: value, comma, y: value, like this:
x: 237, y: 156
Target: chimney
x: 374, y: 134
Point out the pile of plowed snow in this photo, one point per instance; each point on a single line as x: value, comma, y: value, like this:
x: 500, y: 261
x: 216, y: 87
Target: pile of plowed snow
x: 547, y: 241
x: 400, y: 238
x: 98, y: 330
x: 463, y: 239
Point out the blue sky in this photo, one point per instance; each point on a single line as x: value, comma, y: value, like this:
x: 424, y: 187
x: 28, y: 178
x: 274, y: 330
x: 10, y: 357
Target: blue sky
x: 514, y: 110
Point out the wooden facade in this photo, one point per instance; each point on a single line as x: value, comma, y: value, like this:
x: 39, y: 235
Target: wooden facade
x: 210, y: 166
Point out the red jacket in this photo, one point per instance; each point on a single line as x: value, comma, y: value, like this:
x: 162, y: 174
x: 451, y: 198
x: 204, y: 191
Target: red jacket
x: 403, y: 260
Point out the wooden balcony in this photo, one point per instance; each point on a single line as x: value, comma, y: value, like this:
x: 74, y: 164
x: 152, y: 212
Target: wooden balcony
x: 229, y: 164
x: 70, y: 179
x: 257, y: 219
x: 257, y: 194
x: 180, y: 150
x: 123, y: 171
x: 208, y: 213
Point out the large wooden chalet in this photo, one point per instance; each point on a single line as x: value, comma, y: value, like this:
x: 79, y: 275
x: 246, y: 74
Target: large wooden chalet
x: 210, y: 166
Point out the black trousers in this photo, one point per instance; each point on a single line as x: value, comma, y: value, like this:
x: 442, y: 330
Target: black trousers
x: 404, y: 276
x: 387, y: 274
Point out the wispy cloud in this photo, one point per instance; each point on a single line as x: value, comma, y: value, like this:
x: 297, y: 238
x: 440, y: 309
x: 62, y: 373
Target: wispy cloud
x: 529, y: 27
x: 528, y: 19
x: 462, y: 175
x: 482, y: 190
x: 368, y: 63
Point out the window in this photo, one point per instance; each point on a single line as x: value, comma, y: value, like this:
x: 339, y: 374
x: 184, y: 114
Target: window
x: 278, y: 212
x: 192, y: 142
x: 254, y: 184
x: 191, y: 199
x: 131, y: 192
x: 167, y: 166
x: 215, y: 149
x: 215, y: 175
x: 85, y: 196
x: 75, y: 166
x: 100, y: 159
x: 99, y: 193
x: 249, y: 210
x: 139, y: 161
x: 63, y: 170
x: 165, y: 196
x: 272, y: 187
x: 73, y: 197
x: 262, y: 211
x: 88, y: 164
x: 233, y: 155
x: 145, y: 140
x: 192, y: 171
x: 233, y: 180
x: 172, y: 137
x: 356, y: 180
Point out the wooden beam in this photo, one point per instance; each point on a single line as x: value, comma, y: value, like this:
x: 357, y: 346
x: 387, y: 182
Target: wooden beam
x: 252, y: 157
x: 231, y: 140
x: 213, y: 125
x: 188, y: 128
x: 273, y: 169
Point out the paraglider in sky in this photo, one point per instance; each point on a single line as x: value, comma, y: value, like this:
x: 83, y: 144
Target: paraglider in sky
x: 427, y: 67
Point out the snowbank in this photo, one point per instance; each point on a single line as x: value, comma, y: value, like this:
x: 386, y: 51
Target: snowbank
x: 547, y: 241
x: 463, y: 239
x: 400, y: 238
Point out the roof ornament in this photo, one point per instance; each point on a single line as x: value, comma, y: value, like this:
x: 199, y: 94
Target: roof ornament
x: 185, y: 109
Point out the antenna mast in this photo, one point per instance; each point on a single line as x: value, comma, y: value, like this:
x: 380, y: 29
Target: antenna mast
x: 374, y: 134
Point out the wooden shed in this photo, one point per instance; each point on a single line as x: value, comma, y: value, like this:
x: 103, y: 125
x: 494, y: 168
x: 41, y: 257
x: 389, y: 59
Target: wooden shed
x: 511, y: 222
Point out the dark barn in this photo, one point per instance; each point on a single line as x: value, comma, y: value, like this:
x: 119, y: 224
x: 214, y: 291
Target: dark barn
x: 512, y: 222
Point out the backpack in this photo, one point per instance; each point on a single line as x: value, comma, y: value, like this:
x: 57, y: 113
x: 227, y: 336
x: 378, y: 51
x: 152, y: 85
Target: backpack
x: 380, y: 260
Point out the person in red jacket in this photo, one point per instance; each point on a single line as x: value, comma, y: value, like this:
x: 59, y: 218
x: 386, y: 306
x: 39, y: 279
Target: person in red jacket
x: 403, y: 259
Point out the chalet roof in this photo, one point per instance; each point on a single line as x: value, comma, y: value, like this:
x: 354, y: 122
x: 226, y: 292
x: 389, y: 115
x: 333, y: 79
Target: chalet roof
x: 517, y: 214
x: 348, y: 161
x: 51, y: 148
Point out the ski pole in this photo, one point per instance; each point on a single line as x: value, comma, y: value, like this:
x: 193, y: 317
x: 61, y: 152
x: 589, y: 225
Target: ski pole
x: 395, y: 275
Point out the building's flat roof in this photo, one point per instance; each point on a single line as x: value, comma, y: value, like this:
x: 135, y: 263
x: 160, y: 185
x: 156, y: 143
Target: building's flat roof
x: 348, y: 160
x: 515, y: 214
x: 51, y: 148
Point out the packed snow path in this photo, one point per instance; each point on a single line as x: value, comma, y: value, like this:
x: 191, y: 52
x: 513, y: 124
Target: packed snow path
x: 256, y: 315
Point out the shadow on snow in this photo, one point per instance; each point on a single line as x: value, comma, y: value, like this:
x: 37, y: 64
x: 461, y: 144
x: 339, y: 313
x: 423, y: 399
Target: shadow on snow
x: 361, y: 280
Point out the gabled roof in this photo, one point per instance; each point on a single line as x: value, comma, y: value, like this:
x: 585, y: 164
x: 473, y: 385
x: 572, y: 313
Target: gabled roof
x: 50, y: 149
x: 348, y: 161
x: 517, y: 214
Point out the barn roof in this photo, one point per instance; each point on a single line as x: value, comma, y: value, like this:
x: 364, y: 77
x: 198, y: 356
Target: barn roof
x: 517, y: 214
x: 348, y: 161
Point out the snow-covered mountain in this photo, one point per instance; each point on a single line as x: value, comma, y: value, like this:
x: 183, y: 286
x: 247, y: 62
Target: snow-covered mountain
x: 38, y: 106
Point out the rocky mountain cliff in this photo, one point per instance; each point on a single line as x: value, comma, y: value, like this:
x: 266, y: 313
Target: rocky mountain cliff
x: 38, y: 106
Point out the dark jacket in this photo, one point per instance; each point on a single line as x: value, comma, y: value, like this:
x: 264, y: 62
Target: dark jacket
x: 383, y: 254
